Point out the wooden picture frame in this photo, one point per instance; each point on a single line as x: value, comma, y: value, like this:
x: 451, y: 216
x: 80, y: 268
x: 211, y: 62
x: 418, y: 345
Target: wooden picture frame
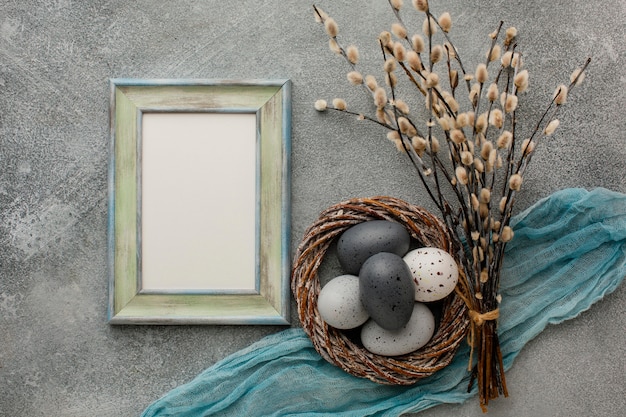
x: 199, y: 202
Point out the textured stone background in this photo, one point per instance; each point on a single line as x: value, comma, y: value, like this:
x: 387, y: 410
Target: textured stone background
x: 59, y: 357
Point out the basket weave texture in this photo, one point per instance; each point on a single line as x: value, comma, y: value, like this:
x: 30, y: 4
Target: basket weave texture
x: 336, y: 346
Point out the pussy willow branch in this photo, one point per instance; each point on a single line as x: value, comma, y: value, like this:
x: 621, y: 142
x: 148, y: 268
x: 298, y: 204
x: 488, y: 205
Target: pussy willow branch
x: 441, y: 202
x: 408, y: 148
x: 414, y: 158
x: 342, y: 51
x: 435, y: 161
x: 480, y: 91
x: 430, y: 177
x: 456, y: 54
x: 511, y: 153
x: 525, y: 158
x: 523, y: 163
x: 443, y: 205
x: 485, y: 229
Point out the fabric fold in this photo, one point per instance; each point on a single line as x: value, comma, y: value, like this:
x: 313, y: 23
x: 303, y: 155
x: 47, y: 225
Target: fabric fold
x: 569, y: 251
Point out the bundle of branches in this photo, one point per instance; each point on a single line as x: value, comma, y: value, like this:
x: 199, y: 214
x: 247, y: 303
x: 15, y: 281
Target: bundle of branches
x: 470, y: 160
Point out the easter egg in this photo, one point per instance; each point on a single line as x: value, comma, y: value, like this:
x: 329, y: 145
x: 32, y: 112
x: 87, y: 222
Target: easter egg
x: 363, y: 240
x: 412, y: 336
x: 434, y: 271
x: 339, y: 303
x: 387, y: 290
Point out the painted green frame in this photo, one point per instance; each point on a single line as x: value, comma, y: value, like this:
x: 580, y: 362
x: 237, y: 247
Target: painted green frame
x: 269, y: 303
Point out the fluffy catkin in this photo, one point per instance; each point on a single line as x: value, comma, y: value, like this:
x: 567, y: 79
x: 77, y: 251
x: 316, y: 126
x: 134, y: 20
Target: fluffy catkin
x: 445, y: 21
x: 332, y: 29
x: 421, y: 5
x: 355, y: 78
x: 352, y: 53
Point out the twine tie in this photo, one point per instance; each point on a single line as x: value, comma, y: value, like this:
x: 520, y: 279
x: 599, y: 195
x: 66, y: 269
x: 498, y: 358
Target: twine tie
x: 477, y: 320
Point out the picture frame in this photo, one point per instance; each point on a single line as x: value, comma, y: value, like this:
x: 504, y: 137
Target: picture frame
x: 199, y: 202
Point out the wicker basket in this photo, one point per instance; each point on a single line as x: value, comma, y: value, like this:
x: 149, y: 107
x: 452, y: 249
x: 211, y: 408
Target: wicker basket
x: 344, y: 350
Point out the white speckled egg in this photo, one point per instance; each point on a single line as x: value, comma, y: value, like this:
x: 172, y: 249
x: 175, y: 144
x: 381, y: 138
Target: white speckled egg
x: 339, y: 303
x: 435, y: 273
x: 415, y: 334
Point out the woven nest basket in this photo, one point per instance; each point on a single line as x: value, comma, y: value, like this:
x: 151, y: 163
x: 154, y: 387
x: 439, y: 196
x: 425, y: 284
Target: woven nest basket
x: 339, y: 347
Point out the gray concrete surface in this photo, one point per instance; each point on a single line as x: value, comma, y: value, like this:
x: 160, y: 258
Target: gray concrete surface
x: 59, y: 357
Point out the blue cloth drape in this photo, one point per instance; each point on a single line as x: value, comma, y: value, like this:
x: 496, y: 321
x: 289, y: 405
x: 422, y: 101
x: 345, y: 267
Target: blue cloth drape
x: 569, y: 251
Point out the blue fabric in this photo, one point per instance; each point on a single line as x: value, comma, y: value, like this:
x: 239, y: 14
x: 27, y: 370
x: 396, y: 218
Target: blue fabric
x: 569, y: 251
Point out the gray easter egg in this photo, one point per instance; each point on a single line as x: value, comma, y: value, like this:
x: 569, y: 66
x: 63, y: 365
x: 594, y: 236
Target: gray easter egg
x: 387, y: 290
x: 363, y: 240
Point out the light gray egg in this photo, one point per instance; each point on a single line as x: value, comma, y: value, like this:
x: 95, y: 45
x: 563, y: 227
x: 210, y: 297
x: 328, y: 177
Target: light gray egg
x: 339, y: 303
x: 416, y: 333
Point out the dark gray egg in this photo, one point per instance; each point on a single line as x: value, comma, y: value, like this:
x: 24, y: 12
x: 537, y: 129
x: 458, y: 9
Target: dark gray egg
x: 363, y: 240
x: 386, y: 289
